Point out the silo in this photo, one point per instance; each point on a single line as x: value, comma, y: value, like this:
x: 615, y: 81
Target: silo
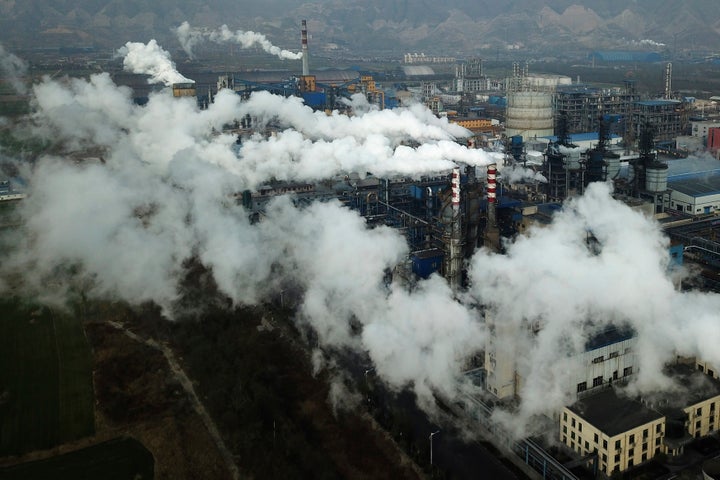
x: 656, y: 177
x: 529, y: 114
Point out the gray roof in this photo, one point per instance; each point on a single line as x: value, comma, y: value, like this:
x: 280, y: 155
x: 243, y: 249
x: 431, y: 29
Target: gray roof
x: 612, y: 414
x: 695, y: 185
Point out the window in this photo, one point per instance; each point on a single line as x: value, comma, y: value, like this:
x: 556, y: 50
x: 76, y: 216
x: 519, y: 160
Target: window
x: 598, y: 359
x: 615, y: 375
x: 587, y: 445
x: 617, y: 458
x: 605, y: 444
x: 573, y: 423
x: 630, y: 463
x: 613, y: 354
x: 631, y: 440
x: 657, y: 442
x: 644, y: 447
x: 645, y: 433
x: 565, y: 439
x: 564, y: 416
x: 658, y: 428
x: 631, y: 452
x: 697, y: 425
x: 698, y: 412
x: 711, y: 373
x: 627, y: 371
x: 597, y: 381
x: 595, y: 438
x: 572, y: 435
x: 581, y: 387
x: 617, y: 445
x: 701, y: 368
x: 604, y: 457
x: 579, y: 427
x: 712, y: 407
x: 564, y: 428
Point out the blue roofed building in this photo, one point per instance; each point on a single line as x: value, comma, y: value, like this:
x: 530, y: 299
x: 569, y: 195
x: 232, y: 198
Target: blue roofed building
x: 620, y: 56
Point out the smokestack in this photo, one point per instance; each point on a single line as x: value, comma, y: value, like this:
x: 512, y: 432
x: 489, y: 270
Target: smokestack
x: 455, y: 273
x: 491, y: 193
x: 305, y: 53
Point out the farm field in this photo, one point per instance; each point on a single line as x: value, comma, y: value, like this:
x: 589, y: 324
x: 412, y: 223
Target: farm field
x: 46, y: 392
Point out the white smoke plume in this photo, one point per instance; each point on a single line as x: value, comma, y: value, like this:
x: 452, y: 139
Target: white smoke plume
x: 189, y: 37
x: 572, y: 291
x: 151, y: 59
x: 13, y: 69
x: 165, y: 193
x: 517, y: 173
x: 646, y: 42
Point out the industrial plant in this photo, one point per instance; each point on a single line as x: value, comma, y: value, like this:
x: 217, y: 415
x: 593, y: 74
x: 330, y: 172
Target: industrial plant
x: 559, y: 136
x: 512, y: 159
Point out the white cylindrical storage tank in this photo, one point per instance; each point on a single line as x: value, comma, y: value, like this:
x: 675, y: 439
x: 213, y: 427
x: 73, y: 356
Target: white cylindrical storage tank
x: 547, y: 81
x: 529, y: 114
x: 572, y: 157
x: 613, y: 167
x: 656, y: 177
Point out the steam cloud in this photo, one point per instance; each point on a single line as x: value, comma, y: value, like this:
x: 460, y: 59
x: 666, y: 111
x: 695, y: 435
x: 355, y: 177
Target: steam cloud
x: 189, y: 37
x: 13, y: 69
x: 124, y: 228
x: 150, y: 59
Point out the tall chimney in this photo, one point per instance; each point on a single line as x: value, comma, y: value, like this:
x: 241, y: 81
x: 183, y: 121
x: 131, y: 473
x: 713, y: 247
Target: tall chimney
x: 456, y: 258
x: 305, y: 53
x: 491, y: 193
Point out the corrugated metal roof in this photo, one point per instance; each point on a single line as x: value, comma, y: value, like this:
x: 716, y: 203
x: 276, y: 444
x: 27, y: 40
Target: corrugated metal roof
x: 417, y: 70
x: 699, y: 184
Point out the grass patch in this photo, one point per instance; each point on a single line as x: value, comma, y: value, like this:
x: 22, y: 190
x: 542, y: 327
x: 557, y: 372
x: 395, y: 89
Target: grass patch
x: 46, y: 395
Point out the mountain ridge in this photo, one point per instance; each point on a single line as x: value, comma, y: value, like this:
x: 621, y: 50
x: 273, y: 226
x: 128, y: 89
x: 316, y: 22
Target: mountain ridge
x: 456, y: 26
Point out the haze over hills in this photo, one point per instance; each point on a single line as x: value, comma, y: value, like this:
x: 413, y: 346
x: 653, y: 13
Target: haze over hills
x: 451, y: 27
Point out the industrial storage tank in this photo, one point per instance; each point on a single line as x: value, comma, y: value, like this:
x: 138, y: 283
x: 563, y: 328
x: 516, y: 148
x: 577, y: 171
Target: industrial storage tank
x: 656, y: 177
x: 529, y: 114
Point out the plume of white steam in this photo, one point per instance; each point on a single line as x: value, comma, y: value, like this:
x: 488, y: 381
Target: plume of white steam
x: 413, y: 123
x: 13, y: 69
x: 574, y: 291
x: 150, y: 59
x: 189, y: 37
x: 517, y: 173
x: 125, y: 228
x: 646, y: 42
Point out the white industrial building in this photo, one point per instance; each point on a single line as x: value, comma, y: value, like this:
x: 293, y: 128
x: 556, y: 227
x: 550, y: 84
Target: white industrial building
x: 695, y: 193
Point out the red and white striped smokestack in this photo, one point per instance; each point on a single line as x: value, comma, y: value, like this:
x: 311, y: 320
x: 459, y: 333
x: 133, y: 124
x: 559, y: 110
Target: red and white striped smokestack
x: 491, y: 182
x: 305, y: 53
x: 455, y: 187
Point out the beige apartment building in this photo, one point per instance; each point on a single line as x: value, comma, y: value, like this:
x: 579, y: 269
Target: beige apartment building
x: 622, y: 431
x: 625, y: 432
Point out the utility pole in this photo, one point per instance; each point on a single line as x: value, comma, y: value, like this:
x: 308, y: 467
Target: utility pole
x: 431, y: 451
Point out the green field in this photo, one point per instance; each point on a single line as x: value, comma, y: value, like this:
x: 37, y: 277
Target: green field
x: 118, y: 459
x: 46, y: 394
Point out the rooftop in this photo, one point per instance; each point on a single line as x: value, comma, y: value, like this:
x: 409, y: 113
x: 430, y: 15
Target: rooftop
x: 697, y: 184
x: 612, y: 414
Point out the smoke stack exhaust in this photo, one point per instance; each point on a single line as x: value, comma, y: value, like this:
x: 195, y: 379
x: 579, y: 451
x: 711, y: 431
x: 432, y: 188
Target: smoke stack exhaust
x: 305, y: 53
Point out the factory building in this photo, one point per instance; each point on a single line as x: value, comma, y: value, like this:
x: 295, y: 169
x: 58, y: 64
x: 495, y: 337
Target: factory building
x: 667, y: 117
x: 695, y: 193
x: 624, y: 432
x: 584, y: 106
